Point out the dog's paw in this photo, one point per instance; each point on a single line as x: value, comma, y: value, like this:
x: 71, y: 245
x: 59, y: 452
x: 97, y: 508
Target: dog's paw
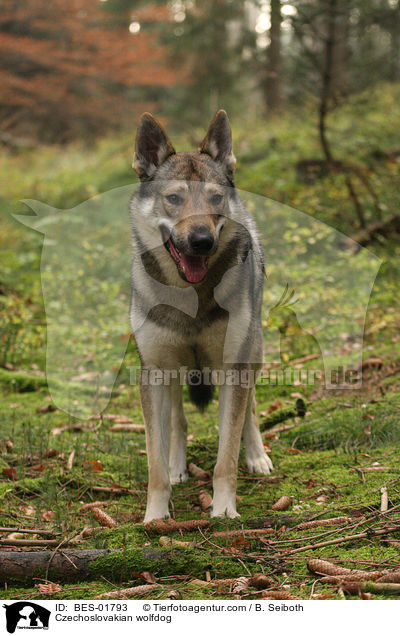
x: 224, y: 508
x: 178, y: 478
x: 226, y: 511
x: 157, y: 507
x: 153, y: 515
x: 261, y: 464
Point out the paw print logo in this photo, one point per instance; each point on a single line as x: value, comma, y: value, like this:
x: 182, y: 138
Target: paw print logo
x: 194, y: 377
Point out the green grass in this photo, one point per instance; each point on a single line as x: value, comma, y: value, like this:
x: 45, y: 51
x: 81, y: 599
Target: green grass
x: 322, y: 455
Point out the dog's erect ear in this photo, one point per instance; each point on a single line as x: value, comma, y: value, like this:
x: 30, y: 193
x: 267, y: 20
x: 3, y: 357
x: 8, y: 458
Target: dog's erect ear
x: 218, y: 142
x: 152, y: 147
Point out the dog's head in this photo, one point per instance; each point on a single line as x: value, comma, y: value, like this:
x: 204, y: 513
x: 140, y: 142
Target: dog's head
x: 188, y: 191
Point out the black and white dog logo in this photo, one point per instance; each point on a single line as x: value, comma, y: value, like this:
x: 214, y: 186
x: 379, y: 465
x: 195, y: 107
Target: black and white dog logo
x: 26, y: 615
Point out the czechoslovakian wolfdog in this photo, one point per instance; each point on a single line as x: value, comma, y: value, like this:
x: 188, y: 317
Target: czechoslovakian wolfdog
x: 191, y: 230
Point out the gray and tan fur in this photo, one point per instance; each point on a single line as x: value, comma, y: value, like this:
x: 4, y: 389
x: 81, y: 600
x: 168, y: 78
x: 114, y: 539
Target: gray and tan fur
x: 197, y: 280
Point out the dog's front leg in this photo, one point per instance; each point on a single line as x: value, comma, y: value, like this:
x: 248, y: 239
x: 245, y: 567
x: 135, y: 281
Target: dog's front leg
x: 232, y: 410
x: 177, y: 450
x: 156, y: 405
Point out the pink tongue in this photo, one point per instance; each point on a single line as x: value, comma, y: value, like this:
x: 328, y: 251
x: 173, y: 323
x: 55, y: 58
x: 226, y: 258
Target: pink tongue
x: 195, y: 267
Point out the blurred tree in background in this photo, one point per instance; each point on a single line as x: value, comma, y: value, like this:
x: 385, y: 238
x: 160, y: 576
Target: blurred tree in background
x: 67, y: 70
x: 80, y: 68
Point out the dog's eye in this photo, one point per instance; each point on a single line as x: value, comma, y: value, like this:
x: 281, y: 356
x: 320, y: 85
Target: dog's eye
x: 174, y: 199
x: 216, y: 199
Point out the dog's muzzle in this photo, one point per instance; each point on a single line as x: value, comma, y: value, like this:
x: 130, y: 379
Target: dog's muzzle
x: 192, y: 259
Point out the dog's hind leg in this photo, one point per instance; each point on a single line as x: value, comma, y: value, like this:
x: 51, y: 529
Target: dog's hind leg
x: 156, y: 405
x: 257, y: 459
x: 232, y: 409
x: 177, y: 447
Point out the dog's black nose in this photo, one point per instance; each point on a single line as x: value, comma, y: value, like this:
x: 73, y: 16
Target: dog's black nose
x: 201, y: 240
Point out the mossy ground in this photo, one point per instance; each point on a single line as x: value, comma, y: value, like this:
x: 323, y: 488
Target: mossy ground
x: 318, y: 462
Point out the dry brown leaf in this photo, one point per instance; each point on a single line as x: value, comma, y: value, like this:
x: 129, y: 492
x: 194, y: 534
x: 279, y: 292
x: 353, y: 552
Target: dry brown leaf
x: 27, y: 510
x: 276, y: 404
x: 148, y: 577
x: 39, y: 468
x: 47, y: 408
x: 240, y: 543
x: 94, y: 465
x: 48, y: 515
x: 366, y: 596
x: 11, y: 473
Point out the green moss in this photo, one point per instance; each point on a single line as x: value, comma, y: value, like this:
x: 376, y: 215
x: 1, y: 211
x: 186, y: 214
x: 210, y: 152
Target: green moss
x: 119, y: 566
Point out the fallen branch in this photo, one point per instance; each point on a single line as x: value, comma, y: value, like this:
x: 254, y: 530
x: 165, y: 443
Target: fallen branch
x: 352, y: 587
x: 97, y: 504
x: 252, y: 532
x: 380, y: 228
x: 161, y: 526
x: 116, y: 490
x: 350, y: 537
x: 127, y: 428
x: 68, y: 565
x: 46, y: 533
x: 33, y: 543
x: 307, y: 358
x: 323, y: 522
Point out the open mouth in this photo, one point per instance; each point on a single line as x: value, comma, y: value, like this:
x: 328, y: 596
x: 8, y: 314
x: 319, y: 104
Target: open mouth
x: 191, y: 268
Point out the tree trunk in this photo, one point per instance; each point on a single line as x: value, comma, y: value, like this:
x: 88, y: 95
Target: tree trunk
x: 326, y: 88
x: 273, y: 87
x: 340, y: 49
